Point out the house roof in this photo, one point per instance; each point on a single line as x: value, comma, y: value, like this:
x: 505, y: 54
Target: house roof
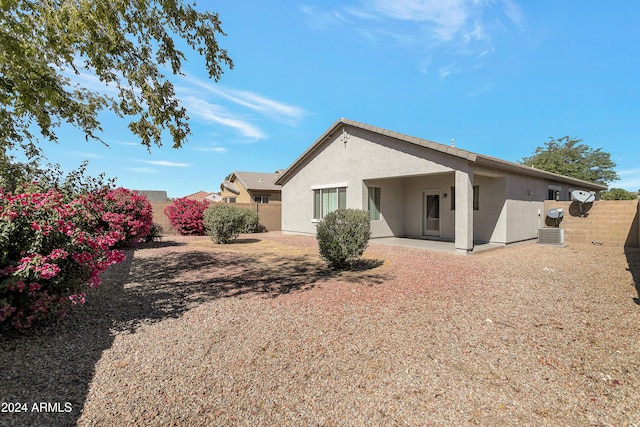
x: 228, y: 185
x: 153, y: 195
x: 254, y: 181
x: 200, y: 196
x: 453, y: 151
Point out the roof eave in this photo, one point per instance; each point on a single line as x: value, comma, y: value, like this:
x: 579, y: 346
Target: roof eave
x: 527, y: 170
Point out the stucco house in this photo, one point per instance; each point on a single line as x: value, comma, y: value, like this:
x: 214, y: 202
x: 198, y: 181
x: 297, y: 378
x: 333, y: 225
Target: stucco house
x: 251, y: 187
x: 201, y: 196
x: 417, y: 188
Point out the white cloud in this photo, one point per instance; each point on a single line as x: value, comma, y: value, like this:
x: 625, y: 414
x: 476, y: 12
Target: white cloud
x: 166, y: 163
x: 514, y: 13
x: 629, y: 180
x: 447, y: 70
x: 278, y: 110
x: 218, y: 114
x: 487, y: 87
x: 211, y: 149
x: 320, y: 19
x: 87, y: 155
x: 446, y: 17
x: 443, y: 31
x: 141, y: 170
x: 130, y: 144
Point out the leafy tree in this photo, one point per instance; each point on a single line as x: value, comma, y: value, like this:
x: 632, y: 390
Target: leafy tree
x: 14, y: 173
x: 567, y: 156
x: 617, y: 194
x: 126, y: 45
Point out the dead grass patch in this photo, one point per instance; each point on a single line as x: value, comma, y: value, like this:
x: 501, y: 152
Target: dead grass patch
x: 284, y: 258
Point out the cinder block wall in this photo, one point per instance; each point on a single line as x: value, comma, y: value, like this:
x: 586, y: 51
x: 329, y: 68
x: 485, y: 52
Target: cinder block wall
x: 270, y: 214
x: 607, y: 222
x: 160, y: 218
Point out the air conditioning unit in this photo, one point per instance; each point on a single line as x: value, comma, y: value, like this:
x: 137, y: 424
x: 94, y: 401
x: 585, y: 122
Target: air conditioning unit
x: 551, y: 236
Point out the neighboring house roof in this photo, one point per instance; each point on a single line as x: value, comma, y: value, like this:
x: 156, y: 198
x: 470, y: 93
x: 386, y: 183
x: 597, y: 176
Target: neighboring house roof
x: 153, y: 195
x: 214, y: 197
x: 228, y: 185
x: 201, y: 196
x: 457, y: 152
x: 254, y: 181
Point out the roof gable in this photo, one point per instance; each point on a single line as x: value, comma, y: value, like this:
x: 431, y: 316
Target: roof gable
x: 255, y: 181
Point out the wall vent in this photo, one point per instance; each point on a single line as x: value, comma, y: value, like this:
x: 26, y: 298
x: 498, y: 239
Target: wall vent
x: 551, y: 236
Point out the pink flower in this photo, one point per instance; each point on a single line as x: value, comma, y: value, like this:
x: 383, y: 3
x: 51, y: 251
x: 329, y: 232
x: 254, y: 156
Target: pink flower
x: 47, y: 271
x: 77, y: 298
x: 58, y: 254
x: 8, y: 270
x: 5, y: 312
x: 94, y: 280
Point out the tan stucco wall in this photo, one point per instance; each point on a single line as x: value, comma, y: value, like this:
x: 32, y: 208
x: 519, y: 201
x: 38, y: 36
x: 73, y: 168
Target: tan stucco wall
x: 392, y: 206
x: 274, y: 196
x: 247, y: 197
x: 509, y: 202
x: 243, y: 197
x: 356, y: 161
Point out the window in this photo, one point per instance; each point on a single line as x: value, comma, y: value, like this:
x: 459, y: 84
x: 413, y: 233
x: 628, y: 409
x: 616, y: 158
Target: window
x: 476, y: 198
x: 229, y: 200
x: 261, y: 199
x: 554, y: 192
x: 374, y: 202
x: 453, y: 198
x: 327, y: 200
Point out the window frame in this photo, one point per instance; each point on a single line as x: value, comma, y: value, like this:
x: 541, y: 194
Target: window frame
x: 556, y: 189
x: 374, y: 214
x: 323, y: 195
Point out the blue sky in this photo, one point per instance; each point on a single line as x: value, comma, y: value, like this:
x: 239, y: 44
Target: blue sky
x: 500, y: 77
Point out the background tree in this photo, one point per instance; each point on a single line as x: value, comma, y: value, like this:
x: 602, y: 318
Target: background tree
x: 617, y: 194
x: 567, y: 156
x: 14, y: 173
x: 125, y: 44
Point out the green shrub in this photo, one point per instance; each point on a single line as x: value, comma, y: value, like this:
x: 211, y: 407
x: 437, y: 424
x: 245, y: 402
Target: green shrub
x: 250, y: 221
x: 155, y: 233
x: 225, y: 222
x: 343, y: 236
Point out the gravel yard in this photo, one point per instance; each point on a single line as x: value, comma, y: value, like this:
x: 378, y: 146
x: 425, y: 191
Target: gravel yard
x: 261, y: 332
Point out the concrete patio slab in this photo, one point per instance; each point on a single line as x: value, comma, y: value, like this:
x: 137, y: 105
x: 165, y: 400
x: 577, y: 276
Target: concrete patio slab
x: 432, y: 245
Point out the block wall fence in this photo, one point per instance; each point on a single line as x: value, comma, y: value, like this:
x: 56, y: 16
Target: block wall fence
x: 606, y: 222
x: 270, y: 214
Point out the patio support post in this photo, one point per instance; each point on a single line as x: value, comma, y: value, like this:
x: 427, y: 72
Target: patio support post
x: 464, y: 212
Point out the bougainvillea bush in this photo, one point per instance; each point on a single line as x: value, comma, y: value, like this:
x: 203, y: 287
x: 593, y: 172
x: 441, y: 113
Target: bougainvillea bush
x: 53, y: 246
x: 186, y: 216
x: 129, y: 213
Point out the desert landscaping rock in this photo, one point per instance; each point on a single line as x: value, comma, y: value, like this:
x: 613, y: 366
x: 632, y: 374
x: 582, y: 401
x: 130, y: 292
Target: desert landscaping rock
x: 261, y: 332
